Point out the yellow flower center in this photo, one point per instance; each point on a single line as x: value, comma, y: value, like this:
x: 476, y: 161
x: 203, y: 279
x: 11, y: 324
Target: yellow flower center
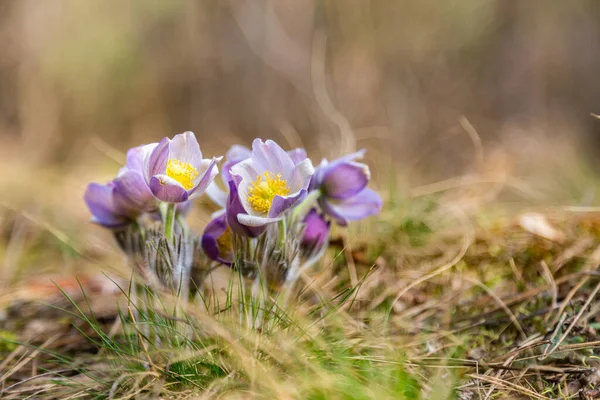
x: 182, y: 172
x: 264, y: 189
x: 224, y: 242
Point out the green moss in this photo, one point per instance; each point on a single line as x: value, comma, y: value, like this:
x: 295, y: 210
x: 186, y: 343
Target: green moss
x: 8, y: 341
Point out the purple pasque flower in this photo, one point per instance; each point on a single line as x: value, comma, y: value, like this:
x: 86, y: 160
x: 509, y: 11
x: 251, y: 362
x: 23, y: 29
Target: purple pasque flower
x: 234, y: 155
x: 217, y: 240
x: 175, y: 171
x: 316, y: 231
x: 123, y: 199
x: 343, y: 186
x: 269, y: 183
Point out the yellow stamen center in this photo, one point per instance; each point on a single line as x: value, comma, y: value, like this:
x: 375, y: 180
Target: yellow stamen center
x: 264, y: 189
x: 224, y: 242
x: 182, y: 172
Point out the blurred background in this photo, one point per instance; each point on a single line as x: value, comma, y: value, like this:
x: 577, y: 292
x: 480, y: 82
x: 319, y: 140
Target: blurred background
x: 488, y: 89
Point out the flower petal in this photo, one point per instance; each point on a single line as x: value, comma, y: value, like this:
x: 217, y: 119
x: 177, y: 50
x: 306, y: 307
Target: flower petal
x: 245, y: 173
x: 281, y: 204
x: 297, y: 155
x: 226, y: 171
x: 209, y: 241
x: 301, y: 176
x: 208, y: 171
x: 365, y: 203
x: 238, y: 153
x: 210, y: 246
x: 234, y: 209
x: 325, y: 167
x: 168, y: 189
x: 135, y: 157
x: 185, y: 148
x: 132, y: 194
x: 254, y: 221
x: 345, y: 180
x: 233, y: 156
x: 316, y: 230
x: 155, y: 161
x: 269, y: 156
x: 99, y: 199
x: 216, y: 194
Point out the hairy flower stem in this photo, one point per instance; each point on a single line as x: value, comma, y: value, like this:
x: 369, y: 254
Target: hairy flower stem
x: 170, y: 221
x: 281, y: 233
x: 181, y: 221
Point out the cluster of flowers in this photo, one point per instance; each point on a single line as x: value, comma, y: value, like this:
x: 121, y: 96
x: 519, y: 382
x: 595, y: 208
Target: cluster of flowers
x: 276, y: 208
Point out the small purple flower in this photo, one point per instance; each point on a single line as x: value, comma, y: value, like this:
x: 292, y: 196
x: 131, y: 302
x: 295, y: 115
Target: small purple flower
x: 217, y: 240
x: 343, y: 186
x: 175, y: 171
x: 117, y: 203
x: 235, y: 155
x: 123, y: 199
x: 269, y: 183
x: 316, y: 231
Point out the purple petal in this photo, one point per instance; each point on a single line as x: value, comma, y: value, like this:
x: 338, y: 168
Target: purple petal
x: 217, y: 226
x: 365, y: 203
x: 316, y: 230
x: 99, y: 199
x: 345, y: 180
x: 269, y: 156
x: 234, y: 209
x: 317, y: 179
x: 297, y: 155
x: 155, y: 162
x: 238, y: 153
x: 137, y: 155
x: 185, y: 148
x: 210, y: 246
x: 244, y: 174
x: 132, y: 194
x: 135, y: 159
x: 226, y: 171
x: 281, y: 204
x: 213, y: 231
x: 234, y: 156
x: 325, y: 167
x: 168, y: 189
x: 210, y: 172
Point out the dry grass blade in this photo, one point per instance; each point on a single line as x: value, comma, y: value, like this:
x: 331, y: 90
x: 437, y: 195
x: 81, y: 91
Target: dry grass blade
x: 466, y: 242
x: 590, y: 298
x: 27, y: 358
x: 509, y: 385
